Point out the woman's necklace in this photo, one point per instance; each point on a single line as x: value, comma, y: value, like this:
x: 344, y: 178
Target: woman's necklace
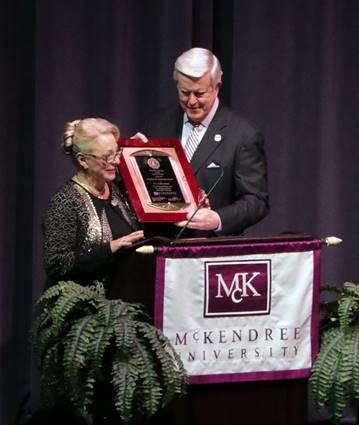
x: 101, y: 194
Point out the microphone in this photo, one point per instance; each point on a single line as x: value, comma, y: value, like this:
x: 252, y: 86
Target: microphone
x: 200, y: 204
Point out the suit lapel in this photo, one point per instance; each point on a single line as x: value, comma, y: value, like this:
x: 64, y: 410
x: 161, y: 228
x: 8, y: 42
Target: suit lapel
x: 208, y: 144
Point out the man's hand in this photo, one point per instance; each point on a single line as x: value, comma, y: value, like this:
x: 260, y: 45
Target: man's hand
x: 202, y: 199
x: 204, y: 219
x: 140, y: 136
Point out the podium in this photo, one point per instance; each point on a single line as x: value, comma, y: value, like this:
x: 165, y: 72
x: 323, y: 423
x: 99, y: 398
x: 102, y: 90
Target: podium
x: 256, y: 401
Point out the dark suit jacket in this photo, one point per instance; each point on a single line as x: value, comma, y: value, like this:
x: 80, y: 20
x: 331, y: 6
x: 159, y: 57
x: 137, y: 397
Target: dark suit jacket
x: 241, y: 196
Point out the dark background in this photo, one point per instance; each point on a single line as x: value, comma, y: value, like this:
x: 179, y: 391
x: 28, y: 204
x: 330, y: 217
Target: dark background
x: 291, y: 66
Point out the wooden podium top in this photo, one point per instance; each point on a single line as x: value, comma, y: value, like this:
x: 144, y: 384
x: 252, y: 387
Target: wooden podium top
x: 225, y: 240
x: 222, y: 240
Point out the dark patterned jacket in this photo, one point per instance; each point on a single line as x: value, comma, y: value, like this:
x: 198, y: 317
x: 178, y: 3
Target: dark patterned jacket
x: 76, y: 239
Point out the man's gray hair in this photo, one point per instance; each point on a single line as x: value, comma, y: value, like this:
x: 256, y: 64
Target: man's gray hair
x: 196, y: 62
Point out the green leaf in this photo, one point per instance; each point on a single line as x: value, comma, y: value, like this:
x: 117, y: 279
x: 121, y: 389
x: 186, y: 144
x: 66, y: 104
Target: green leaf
x: 124, y: 377
x: 82, y: 340
x: 335, y: 373
x: 76, y: 352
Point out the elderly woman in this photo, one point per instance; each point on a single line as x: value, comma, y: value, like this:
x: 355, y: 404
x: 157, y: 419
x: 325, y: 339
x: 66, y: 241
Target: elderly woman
x: 89, y: 220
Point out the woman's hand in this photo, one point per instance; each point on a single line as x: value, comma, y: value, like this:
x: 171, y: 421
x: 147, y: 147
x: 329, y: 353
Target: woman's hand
x: 126, y: 240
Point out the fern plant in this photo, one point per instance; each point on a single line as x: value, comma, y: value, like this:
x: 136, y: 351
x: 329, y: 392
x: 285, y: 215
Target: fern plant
x: 335, y: 373
x: 82, y: 340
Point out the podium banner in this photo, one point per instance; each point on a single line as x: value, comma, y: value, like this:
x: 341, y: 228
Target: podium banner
x: 241, y: 312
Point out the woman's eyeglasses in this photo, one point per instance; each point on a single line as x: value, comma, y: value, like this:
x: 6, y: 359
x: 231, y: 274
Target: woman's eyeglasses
x: 105, y: 159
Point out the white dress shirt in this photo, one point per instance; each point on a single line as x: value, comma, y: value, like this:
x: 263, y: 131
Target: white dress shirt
x: 202, y: 128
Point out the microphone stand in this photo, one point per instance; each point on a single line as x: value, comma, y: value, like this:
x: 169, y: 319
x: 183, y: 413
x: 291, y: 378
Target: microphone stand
x: 179, y: 234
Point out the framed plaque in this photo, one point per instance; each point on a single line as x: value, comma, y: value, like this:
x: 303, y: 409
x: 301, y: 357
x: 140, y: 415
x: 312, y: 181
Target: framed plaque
x: 158, y: 178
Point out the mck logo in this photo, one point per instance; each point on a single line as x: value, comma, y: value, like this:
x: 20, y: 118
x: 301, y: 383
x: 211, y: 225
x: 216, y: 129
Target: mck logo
x: 237, y: 288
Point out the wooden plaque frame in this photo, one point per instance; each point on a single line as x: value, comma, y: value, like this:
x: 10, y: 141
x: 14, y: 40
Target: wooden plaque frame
x: 175, y: 177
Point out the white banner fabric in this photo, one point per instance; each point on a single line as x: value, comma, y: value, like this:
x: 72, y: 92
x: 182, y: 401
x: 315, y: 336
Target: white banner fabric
x: 237, y: 338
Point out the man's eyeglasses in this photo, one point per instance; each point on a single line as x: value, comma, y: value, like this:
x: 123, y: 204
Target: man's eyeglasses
x: 105, y: 159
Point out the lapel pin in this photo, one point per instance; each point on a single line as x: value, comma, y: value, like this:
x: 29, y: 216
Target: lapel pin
x: 217, y: 138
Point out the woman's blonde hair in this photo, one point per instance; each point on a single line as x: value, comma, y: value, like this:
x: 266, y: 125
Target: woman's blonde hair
x: 79, y: 133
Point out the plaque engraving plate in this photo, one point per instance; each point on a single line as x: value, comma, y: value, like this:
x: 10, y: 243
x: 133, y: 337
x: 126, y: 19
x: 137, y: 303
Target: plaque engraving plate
x: 158, y: 179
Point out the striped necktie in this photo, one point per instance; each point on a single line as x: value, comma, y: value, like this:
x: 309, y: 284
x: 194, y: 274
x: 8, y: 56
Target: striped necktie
x: 192, y: 141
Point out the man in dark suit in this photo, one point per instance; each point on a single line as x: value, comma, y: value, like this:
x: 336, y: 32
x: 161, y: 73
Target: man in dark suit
x: 217, y: 141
